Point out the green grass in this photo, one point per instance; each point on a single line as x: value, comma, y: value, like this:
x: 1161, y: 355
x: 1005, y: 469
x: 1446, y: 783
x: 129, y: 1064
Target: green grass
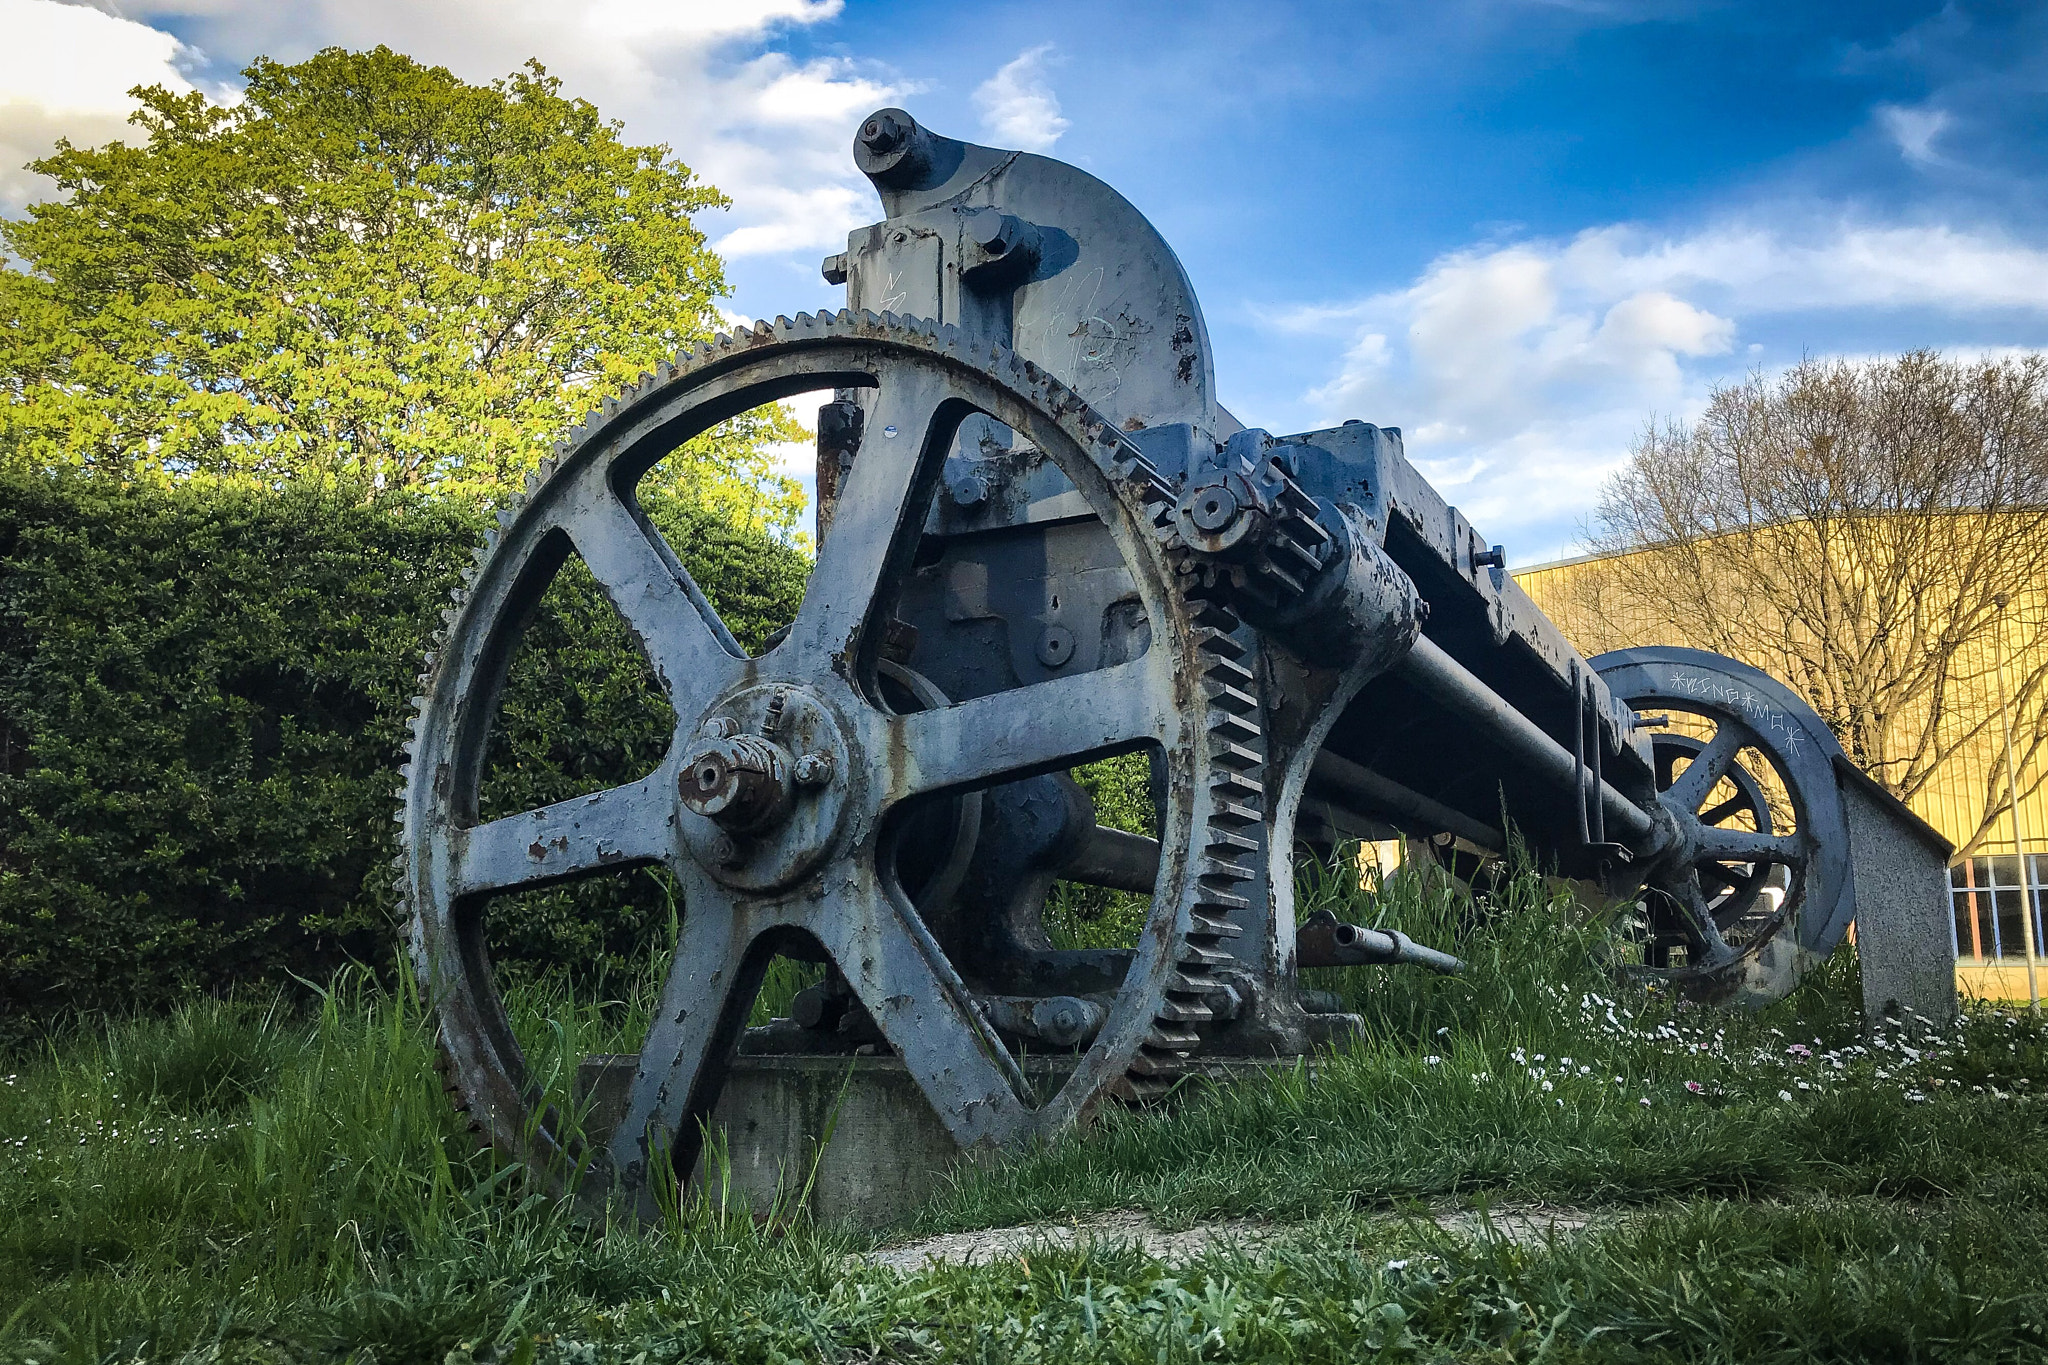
x: 250, y: 1181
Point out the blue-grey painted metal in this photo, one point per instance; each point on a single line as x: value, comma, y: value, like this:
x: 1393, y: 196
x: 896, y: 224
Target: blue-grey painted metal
x: 1043, y: 541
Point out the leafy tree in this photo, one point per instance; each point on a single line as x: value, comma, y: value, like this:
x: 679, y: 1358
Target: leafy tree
x: 369, y: 272
x: 1876, y: 534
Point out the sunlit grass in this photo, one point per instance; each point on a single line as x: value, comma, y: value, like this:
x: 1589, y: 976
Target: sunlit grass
x: 255, y: 1179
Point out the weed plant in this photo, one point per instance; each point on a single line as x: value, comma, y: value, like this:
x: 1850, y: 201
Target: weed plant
x: 244, y: 1181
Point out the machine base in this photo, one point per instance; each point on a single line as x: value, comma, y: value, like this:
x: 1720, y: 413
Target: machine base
x: 888, y: 1151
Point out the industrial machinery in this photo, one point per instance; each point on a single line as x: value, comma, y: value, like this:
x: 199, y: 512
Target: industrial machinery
x: 1043, y: 542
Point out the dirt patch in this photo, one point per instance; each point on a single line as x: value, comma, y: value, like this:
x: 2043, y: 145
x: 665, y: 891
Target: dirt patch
x: 1524, y: 1223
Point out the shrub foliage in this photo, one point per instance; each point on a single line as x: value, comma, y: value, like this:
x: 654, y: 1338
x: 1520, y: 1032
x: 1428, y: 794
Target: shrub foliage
x: 203, y: 694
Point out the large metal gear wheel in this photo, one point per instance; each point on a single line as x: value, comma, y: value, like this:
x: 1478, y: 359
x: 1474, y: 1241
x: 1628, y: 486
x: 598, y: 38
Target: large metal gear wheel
x: 771, y: 806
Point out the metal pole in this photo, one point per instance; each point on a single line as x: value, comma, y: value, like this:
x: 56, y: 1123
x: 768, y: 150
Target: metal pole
x: 2012, y: 791
x: 1362, y: 787
x: 1444, y: 678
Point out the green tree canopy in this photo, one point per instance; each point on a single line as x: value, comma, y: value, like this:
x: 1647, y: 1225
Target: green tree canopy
x: 367, y: 271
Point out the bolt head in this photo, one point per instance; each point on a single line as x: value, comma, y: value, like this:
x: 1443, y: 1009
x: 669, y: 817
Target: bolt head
x: 883, y: 133
x: 968, y: 490
x: 719, y: 727
x: 814, y: 770
x: 989, y: 231
x: 726, y: 850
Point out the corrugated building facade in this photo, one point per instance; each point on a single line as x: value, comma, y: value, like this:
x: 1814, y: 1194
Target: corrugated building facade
x: 1996, y: 884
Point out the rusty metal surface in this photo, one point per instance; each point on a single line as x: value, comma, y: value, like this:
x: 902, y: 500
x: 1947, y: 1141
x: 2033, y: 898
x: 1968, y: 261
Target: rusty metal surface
x: 1043, y: 541
x: 774, y: 806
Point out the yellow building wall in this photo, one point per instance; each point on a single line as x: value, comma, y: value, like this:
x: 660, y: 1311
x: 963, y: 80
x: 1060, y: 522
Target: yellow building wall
x: 1953, y: 799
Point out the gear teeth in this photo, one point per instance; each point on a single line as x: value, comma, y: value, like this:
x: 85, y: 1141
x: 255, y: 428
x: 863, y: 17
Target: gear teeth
x: 1162, y: 1071
x: 1237, y: 786
x: 1234, y: 814
x: 1232, y: 755
x: 1207, y: 926
x: 1193, y: 956
x: 1227, y: 671
x: 1169, y: 1039
x: 1139, y: 1090
x: 1224, y: 844
x: 1224, y: 697
x: 1230, y: 724
x: 1212, y: 870
x: 1173, y: 1011
x: 1219, y: 645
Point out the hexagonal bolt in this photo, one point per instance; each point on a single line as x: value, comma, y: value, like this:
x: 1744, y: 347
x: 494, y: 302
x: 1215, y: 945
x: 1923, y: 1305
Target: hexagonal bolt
x: 726, y: 850
x: 883, y: 133
x: 719, y: 727
x: 990, y: 231
x: 814, y: 770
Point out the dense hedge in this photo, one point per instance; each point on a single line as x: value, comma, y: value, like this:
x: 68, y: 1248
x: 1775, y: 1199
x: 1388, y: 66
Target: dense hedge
x: 202, y: 698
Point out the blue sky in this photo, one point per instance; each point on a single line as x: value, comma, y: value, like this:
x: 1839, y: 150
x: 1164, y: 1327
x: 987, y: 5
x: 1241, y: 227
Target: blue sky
x: 1517, y: 230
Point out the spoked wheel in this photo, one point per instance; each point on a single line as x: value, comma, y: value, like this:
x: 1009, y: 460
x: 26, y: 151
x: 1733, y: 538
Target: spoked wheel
x: 1745, y: 778
x: 772, y: 807
x: 1714, y: 901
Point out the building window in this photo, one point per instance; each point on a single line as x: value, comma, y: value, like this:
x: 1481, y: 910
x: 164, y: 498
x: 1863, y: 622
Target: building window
x: 1990, y: 895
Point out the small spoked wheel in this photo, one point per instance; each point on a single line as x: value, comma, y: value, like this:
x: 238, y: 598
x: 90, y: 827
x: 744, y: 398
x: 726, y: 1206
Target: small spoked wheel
x: 1738, y: 870
x: 1745, y: 777
x: 774, y: 809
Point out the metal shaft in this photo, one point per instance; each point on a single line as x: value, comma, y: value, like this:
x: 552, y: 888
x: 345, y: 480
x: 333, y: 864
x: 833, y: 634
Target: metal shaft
x: 1361, y: 787
x: 1120, y: 861
x: 1431, y: 670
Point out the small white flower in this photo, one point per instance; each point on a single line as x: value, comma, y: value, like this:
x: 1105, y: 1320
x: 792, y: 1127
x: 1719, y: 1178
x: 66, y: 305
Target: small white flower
x: 1548, y: 1087
x: 1644, y: 1101
x: 1397, y: 1265
x: 1785, y: 1095
x: 1431, y: 1060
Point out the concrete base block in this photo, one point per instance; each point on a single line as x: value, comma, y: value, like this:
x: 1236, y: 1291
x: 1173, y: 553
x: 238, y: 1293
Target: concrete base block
x: 887, y: 1153
x: 1904, y: 921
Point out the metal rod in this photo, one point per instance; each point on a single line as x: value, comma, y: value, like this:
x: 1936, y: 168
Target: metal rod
x: 1360, y: 786
x: 1324, y: 941
x: 1117, y: 860
x: 1427, y: 667
x: 2019, y: 848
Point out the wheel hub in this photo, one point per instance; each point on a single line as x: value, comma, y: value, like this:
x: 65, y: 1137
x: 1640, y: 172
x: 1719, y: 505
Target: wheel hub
x: 764, y: 787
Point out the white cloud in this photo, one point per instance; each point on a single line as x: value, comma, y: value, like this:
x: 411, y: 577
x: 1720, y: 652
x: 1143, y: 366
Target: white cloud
x: 773, y: 132
x: 1017, y: 107
x: 1521, y: 373
x: 65, y: 71
x: 1914, y: 130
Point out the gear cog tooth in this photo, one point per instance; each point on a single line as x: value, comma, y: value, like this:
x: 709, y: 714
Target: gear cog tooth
x: 1208, y: 926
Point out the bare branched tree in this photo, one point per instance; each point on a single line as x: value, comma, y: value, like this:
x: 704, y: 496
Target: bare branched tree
x: 1875, y: 533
